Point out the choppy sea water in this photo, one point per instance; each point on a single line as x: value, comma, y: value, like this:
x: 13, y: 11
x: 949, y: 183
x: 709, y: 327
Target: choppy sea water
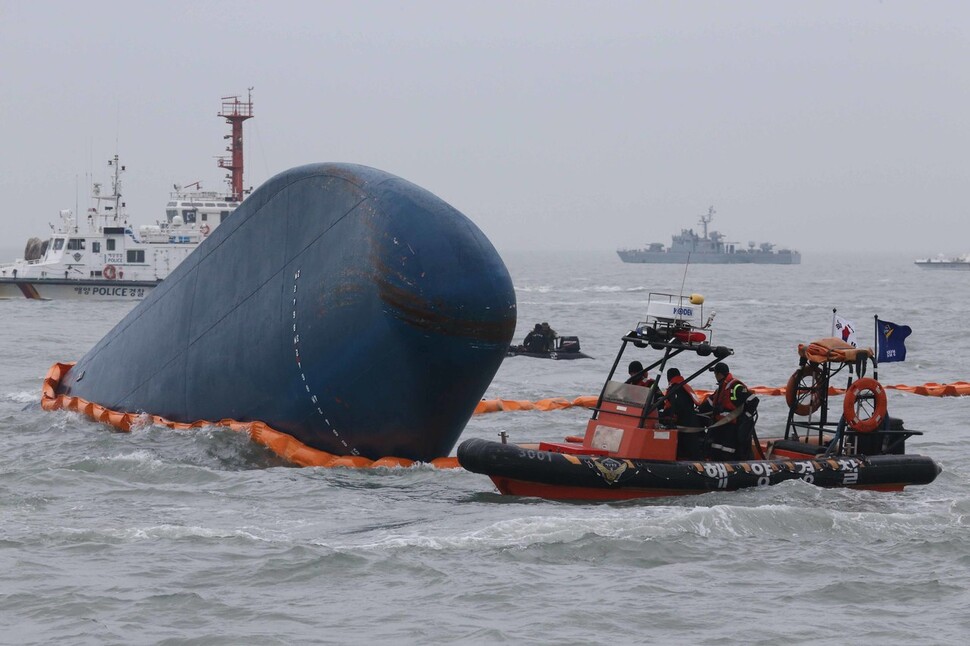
x: 202, y: 537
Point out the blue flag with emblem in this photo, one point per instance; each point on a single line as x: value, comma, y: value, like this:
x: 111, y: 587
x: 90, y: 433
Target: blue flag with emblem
x: 890, y: 341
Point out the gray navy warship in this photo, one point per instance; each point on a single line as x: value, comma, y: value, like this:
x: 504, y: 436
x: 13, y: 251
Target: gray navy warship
x: 710, y: 249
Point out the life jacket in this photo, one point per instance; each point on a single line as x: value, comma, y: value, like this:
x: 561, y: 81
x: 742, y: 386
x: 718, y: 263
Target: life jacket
x: 644, y: 380
x: 724, y: 399
x: 679, y: 380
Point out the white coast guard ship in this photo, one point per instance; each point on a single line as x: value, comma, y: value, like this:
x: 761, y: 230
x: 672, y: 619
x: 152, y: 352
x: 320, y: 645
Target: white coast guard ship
x: 101, y: 256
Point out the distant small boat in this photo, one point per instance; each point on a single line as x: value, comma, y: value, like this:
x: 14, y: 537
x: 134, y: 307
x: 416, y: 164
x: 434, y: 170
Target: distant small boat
x: 709, y: 249
x: 566, y: 347
x: 942, y: 262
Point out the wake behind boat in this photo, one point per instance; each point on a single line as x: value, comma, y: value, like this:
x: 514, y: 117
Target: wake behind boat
x: 709, y: 249
x: 639, y: 442
x: 102, y: 256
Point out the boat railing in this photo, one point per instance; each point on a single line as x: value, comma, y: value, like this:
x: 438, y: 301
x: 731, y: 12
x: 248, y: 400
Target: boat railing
x: 198, y: 195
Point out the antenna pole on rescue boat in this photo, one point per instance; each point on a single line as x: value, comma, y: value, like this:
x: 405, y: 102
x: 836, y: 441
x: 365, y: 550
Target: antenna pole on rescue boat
x: 235, y: 112
x: 684, y: 280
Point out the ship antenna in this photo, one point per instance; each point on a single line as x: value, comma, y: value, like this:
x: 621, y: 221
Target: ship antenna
x: 686, y: 266
x: 705, y: 219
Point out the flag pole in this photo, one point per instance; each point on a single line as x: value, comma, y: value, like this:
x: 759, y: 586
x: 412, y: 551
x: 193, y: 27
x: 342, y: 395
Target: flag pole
x: 833, y: 322
x: 875, y: 336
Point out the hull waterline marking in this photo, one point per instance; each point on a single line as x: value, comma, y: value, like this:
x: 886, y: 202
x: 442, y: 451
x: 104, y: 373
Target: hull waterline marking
x: 299, y: 364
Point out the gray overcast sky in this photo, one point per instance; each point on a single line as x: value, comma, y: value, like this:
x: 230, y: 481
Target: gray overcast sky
x: 554, y: 125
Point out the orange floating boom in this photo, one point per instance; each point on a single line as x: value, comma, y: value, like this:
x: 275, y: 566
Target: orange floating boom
x: 930, y: 389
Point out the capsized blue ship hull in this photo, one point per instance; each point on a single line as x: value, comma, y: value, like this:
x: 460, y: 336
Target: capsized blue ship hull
x: 340, y: 304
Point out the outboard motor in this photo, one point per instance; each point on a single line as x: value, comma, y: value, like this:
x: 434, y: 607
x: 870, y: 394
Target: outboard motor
x: 879, y: 442
x: 568, y: 344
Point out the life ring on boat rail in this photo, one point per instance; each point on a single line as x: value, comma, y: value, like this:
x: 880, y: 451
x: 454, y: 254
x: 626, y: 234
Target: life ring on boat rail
x: 204, y: 229
x: 108, y: 272
x: 802, y: 393
x: 864, y: 394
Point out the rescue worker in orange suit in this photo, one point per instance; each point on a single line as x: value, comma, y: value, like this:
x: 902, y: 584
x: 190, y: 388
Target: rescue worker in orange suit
x: 680, y: 411
x: 637, y: 376
x: 725, y: 405
x: 682, y: 401
x: 640, y: 378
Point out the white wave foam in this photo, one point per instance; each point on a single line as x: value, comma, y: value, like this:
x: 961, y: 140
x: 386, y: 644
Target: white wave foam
x: 801, y: 520
x: 24, y: 397
x: 529, y: 531
x: 170, y: 532
x: 139, y: 457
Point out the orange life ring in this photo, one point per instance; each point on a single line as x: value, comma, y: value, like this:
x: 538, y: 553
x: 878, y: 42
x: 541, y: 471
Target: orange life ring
x: 108, y: 272
x: 204, y: 229
x: 858, y: 396
x: 805, y: 399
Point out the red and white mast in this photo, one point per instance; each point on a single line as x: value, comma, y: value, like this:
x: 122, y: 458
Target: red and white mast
x: 235, y: 112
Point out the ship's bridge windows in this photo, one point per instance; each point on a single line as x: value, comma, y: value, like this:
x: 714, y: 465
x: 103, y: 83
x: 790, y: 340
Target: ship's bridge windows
x: 96, y: 247
x: 171, y: 213
x: 221, y: 205
x: 74, y: 244
x: 172, y: 204
x: 210, y: 203
x: 111, y: 244
x: 58, y: 244
x: 136, y: 256
x: 188, y: 215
